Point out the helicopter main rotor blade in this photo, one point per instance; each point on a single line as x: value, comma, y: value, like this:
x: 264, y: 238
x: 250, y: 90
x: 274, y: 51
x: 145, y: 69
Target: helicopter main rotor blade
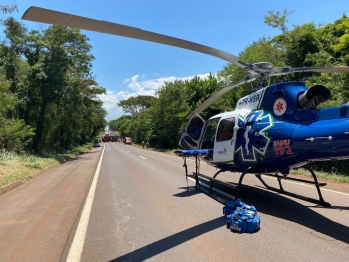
x: 221, y: 92
x: 63, y: 19
x: 325, y: 69
x: 329, y: 69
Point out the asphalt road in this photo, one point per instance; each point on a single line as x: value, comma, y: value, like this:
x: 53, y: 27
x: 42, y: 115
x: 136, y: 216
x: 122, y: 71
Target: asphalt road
x: 141, y: 211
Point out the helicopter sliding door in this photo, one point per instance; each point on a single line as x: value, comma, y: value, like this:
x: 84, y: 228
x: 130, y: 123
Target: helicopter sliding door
x: 192, y: 135
x: 224, y: 148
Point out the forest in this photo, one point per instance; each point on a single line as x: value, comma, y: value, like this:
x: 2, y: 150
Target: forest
x: 48, y: 93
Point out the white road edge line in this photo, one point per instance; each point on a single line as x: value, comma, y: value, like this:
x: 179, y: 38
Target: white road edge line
x: 142, y: 157
x: 77, y: 246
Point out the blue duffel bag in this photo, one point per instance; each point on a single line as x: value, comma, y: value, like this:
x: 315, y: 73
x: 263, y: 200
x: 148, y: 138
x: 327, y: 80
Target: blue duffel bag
x: 253, y: 224
x: 244, y: 219
x: 231, y: 206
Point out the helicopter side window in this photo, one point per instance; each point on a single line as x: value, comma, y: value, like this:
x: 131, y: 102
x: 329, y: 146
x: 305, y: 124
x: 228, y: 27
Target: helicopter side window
x: 210, y: 132
x: 225, y: 129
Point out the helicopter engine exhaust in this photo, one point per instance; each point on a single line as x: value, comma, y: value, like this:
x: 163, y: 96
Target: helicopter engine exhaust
x: 313, y: 97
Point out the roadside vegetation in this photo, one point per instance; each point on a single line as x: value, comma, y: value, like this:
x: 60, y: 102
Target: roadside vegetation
x: 49, y: 105
x: 329, y: 176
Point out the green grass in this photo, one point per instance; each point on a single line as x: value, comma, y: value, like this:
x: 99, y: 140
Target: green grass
x: 323, y: 175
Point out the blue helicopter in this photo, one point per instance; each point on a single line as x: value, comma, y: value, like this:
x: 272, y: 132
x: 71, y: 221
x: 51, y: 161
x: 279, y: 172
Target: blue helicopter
x: 272, y: 130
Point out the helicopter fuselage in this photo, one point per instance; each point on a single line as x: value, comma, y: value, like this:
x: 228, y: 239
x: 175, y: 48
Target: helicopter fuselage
x: 272, y: 130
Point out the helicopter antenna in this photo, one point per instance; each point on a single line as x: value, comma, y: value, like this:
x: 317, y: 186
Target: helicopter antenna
x: 252, y: 89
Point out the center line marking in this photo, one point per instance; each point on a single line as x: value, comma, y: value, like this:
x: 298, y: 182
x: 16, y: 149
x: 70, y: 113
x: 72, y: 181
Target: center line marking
x: 142, y: 157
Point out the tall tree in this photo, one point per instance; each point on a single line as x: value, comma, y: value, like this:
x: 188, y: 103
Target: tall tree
x: 277, y: 19
x: 135, y: 105
x: 169, y: 115
x: 60, y: 87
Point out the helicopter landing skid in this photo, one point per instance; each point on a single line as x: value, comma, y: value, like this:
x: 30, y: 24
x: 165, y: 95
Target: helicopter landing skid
x: 213, y: 179
x: 281, y: 190
x: 237, y: 187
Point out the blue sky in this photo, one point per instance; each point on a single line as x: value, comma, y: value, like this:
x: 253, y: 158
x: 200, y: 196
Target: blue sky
x: 127, y: 67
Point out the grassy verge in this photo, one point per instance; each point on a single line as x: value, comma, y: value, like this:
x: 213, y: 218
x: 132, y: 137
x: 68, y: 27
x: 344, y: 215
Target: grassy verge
x: 323, y: 175
x: 14, y: 167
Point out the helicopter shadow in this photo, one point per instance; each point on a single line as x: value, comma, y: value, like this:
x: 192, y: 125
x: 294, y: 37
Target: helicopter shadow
x: 277, y: 205
x: 155, y: 248
x: 188, y: 191
x: 332, y: 207
x: 266, y: 203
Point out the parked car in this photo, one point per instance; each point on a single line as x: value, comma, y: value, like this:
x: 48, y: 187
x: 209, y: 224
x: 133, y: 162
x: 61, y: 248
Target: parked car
x: 127, y: 140
x: 96, y: 143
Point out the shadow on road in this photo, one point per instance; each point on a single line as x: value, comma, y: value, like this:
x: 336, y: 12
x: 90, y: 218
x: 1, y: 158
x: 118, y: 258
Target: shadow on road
x: 167, y: 243
x: 277, y: 205
x: 189, y: 191
x: 266, y: 202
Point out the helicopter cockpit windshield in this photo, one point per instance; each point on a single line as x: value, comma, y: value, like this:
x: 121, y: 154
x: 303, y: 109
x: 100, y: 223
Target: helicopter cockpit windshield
x: 209, y: 137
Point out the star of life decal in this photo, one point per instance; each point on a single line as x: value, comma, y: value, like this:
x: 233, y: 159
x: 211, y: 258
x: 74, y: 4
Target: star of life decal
x: 280, y: 107
x: 248, y: 151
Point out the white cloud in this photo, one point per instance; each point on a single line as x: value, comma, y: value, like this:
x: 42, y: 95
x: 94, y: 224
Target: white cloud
x: 144, y: 87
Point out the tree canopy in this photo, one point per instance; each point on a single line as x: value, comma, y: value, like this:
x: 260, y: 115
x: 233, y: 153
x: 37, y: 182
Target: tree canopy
x: 47, y: 83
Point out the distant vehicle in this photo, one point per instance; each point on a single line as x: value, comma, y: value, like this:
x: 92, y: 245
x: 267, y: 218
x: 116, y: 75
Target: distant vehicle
x: 127, y: 140
x: 113, y: 137
x: 106, y: 137
x: 96, y: 143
